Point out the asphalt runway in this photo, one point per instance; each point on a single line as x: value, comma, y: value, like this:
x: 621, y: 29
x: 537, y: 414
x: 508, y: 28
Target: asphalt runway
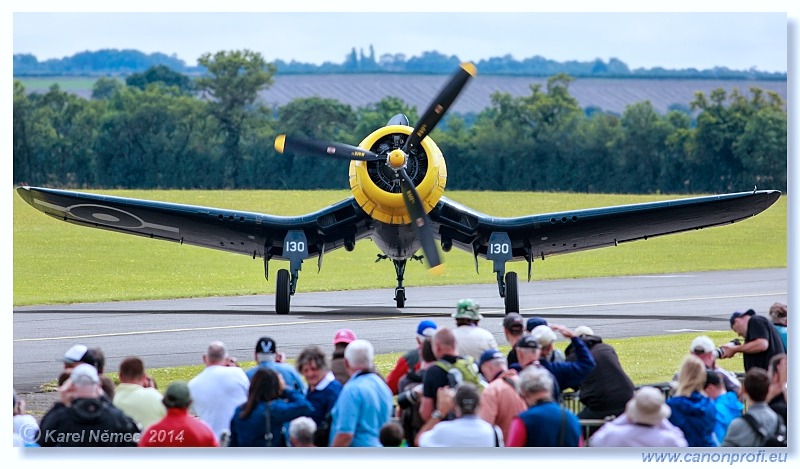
x: 176, y: 332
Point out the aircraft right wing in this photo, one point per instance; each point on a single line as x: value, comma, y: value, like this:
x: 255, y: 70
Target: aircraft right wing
x: 577, y: 230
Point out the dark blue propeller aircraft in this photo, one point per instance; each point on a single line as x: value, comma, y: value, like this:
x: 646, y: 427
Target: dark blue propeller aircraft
x: 397, y: 176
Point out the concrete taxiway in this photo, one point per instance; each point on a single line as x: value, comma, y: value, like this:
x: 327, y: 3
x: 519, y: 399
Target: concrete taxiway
x: 176, y: 332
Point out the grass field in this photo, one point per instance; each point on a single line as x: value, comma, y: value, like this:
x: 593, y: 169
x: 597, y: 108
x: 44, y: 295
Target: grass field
x: 55, y: 262
x: 647, y: 360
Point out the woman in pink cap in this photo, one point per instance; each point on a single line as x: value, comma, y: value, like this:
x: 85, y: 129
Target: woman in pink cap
x: 340, y: 341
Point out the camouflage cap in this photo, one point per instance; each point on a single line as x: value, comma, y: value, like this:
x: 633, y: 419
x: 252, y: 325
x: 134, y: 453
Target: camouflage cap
x: 469, y: 309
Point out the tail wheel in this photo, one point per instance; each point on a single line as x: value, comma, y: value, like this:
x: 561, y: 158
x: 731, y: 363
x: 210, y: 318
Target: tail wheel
x: 282, y: 294
x: 512, y: 294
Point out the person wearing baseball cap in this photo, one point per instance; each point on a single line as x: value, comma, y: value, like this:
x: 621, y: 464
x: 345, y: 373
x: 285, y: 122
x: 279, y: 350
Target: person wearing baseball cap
x: 78, y: 354
x: 410, y: 361
x: 340, y: 341
x: 471, y: 339
x: 81, y: 413
x: 266, y: 355
x: 193, y: 431
x: 547, y: 337
x: 534, y: 322
x: 406, y: 379
x: 500, y: 402
x: 761, y: 340
x: 513, y: 329
x: 703, y: 348
x: 529, y: 353
x: 528, y: 350
x: 567, y: 374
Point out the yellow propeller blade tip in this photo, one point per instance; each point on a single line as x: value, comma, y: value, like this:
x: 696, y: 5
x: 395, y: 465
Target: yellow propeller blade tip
x: 437, y: 270
x: 470, y: 68
x: 280, y: 140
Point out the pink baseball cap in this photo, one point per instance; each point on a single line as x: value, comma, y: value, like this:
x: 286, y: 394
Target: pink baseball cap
x: 344, y: 336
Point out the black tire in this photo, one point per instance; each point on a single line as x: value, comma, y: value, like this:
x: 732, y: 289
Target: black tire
x: 282, y: 296
x: 512, y: 293
x: 400, y: 297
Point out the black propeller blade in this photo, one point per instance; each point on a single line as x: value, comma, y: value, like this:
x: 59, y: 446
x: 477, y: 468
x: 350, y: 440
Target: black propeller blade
x: 419, y: 219
x: 307, y: 146
x: 440, y: 105
x: 431, y: 117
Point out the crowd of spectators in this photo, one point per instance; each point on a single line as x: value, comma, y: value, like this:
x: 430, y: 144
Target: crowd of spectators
x: 455, y: 388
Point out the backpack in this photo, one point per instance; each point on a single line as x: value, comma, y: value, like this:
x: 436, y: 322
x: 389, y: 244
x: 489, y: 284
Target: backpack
x: 464, y: 370
x: 770, y: 440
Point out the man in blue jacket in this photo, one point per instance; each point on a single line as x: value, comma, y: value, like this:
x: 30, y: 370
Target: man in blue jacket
x: 567, y: 374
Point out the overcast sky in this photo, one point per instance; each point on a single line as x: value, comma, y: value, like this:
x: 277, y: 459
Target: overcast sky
x: 670, y: 40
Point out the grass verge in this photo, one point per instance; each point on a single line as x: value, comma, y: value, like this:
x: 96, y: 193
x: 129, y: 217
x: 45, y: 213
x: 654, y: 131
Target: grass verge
x: 647, y: 360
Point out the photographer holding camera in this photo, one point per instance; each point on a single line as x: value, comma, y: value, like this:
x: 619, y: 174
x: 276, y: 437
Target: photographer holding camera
x: 703, y: 348
x: 761, y: 340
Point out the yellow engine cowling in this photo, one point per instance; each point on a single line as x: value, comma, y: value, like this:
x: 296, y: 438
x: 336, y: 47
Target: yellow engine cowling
x: 389, y: 207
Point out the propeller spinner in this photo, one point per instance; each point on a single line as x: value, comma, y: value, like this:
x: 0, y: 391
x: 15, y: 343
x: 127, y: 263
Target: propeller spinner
x: 396, y: 159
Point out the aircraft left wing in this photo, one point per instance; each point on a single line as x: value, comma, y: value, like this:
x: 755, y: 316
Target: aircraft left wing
x: 252, y: 234
x: 577, y: 230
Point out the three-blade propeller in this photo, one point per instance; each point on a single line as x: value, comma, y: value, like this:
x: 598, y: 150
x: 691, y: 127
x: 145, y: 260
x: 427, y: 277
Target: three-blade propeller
x: 396, y: 159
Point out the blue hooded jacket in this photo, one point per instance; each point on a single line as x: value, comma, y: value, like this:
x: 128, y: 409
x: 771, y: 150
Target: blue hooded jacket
x: 728, y: 408
x: 696, y: 415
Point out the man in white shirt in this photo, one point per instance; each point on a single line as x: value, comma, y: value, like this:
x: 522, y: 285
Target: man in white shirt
x: 218, y: 389
x: 470, y: 338
x: 466, y: 430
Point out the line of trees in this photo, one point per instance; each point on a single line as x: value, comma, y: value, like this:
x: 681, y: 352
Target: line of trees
x: 161, y: 129
x: 123, y: 62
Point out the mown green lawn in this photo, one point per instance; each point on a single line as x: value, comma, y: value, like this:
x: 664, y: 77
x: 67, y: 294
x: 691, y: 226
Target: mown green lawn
x: 56, y: 262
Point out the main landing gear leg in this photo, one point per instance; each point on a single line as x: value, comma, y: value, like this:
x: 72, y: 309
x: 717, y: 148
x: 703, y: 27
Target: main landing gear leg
x: 295, y: 248
x: 499, y: 251
x: 400, y: 291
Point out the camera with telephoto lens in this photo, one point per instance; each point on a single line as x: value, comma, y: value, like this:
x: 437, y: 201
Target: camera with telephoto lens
x: 718, y: 352
x: 408, y: 398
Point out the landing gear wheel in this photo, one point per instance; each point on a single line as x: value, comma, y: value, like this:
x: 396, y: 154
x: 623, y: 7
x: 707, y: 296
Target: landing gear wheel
x: 400, y: 296
x: 282, y: 294
x: 512, y: 294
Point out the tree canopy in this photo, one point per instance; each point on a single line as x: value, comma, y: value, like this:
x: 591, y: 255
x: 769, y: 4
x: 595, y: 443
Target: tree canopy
x: 157, y: 131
